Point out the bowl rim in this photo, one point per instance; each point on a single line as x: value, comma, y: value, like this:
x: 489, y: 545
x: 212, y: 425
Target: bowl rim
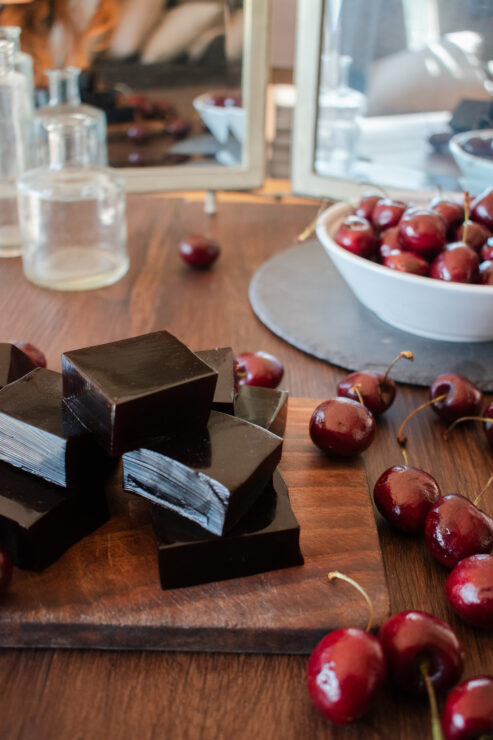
x: 341, y: 209
x: 457, y: 150
x: 201, y: 103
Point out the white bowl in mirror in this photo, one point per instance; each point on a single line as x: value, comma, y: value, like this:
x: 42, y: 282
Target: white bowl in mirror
x: 221, y: 120
x: 435, y: 309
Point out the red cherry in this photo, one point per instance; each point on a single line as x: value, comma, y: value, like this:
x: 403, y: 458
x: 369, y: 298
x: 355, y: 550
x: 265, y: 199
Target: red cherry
x: 407, y: 262
x: 387, y: 213
x: 345, y: 672
x: 366, y: 205
x: 486, y: 272
x: 357, y: 236
x: 5, y: 569
x: 413, y: 639
x: 482, y: 208
x: 225, y: 101
x: 451, y: 211
x: 468, y: 710
x: 140, y: 133
x: 476, y: 235
x: 199, y: 251
x: 389, y: 242
x: 463, y: 398
x: 258, y: 368
x: 404, y: 495
x: 342, y: 427
x: 374, y: 389
x: 422, y: 231
x: 469, y: 590
x: 31, y: 351
x: 458, y: 263
x: 455, y: 528
x: 178, y: 128
x: 487, y: 250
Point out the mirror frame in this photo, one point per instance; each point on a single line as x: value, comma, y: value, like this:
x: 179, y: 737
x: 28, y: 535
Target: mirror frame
x: 251, y: 172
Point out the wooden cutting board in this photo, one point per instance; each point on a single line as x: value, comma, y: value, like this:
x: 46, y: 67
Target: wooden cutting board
x: 105, y: 593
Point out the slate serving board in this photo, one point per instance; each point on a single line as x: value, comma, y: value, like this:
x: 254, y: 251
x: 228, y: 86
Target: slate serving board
x: 104, y: 592
x: 300, y: 296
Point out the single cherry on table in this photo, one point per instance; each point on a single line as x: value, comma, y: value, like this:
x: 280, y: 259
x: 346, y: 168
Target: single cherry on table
x: 199, y: 251
x: 258, y: 368
x: 468, y: 710
x: 469, y: 590
x: 342, y: 427
x: 462, y: 397
x: 403, y: 495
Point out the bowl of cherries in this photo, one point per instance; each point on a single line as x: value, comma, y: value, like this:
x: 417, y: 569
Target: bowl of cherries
x: 223, y: 115
x: 425, y: 270
x: 473, y: 153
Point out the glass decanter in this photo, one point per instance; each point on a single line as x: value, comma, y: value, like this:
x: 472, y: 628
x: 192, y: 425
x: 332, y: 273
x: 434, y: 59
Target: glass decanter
x: 23, y: 62
x: 15, y: 145
x: 72, y: 215
x: 64, y: 100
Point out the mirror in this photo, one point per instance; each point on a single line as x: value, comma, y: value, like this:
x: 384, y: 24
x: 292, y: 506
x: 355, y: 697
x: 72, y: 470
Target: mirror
x: 383, y: 90
x: 182, y: 82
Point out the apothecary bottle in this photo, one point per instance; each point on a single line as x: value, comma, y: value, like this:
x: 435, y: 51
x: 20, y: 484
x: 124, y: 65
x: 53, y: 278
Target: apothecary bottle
x: 15, y: 145
x: 64, y: 101
x: 23, y: 62
x: 72, y: 215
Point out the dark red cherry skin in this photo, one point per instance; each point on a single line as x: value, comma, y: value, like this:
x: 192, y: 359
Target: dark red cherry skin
x: 178, y: 128
x: 387, y: 213
x: 378, y: 392
x: 408, y: 262
x: 357, y: 236
x: 455, y: 528
x: 486, y: 272
x: 225, y: 101
x: 389, y: 242
x: 451, y: 211
x: 342, y: 427
x: 412, y: 638
x: 458, y: 263
x: 32, y: 352
x: 5, y: 569
x: 403, y: 495
x: 345, y: 672
x: 140, y: 132
x: 422, y: 231
x: 488, y: 427
x: 482, y: 208
x: 487, y: 250
x: 468, y: 710
x: 365, y: 207
x: 463, y: 397
x: 258, y: 368
x: 469, y: 590
x: 476, y: 235
x: 199, y: 251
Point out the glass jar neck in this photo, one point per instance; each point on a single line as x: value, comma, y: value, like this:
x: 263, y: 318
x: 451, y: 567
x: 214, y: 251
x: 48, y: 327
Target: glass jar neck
x: 68, y: 144
x: 63, y: 85
x: 6, y: 56
x: 11, y: 33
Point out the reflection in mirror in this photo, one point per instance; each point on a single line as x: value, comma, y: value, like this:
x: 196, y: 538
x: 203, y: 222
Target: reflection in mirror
x: 391, y: 75
x: 167, y: 73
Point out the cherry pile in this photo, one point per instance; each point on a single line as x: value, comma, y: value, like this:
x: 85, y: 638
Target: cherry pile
x: 445, y: 241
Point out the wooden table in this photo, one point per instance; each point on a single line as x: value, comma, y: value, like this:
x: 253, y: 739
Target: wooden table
x: 52, y: 694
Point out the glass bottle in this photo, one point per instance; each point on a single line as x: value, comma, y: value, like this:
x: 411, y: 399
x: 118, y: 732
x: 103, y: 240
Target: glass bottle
x: 23, y: 62
x: 72, y: 215
x: 15, y: 145
x: 64, y: 101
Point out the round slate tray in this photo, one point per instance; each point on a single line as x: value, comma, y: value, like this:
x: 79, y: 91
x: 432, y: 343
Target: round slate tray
x: 300, y: 296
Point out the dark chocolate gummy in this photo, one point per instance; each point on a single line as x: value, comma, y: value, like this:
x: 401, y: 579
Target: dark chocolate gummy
x: 129, y: 391
x: 267, y: 407
x: 14, y: 363
x: 40, y: 521
x: 39, y: 435
x: 221, y: 360
x: 266, y: 538
x: 212, y: 477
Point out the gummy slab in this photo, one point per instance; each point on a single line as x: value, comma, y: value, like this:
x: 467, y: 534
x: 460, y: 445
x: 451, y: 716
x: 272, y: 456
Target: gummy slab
x: 212, y: 478
x: 222, y: 360
x: 13, y: 363
x: 135, y: 389
x: 267, y: 407
x: 40, y: 521
x: 39, y: 435
x: 266, y: 538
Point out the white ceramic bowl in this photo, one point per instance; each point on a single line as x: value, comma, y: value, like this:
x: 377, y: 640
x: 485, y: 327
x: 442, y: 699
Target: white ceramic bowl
x: 219, y: 120
x: 474, y: 168
x: 453, y: 312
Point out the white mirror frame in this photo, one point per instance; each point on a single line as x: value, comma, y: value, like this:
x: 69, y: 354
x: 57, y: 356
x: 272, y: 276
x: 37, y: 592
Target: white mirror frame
x: 251, y: 172
x: 304, y: 179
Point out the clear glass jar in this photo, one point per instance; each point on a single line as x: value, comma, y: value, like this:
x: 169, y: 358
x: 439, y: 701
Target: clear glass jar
x: 72, y: 215
x: 64, y: 101
x: 15, y: 145
x: 23, y: 62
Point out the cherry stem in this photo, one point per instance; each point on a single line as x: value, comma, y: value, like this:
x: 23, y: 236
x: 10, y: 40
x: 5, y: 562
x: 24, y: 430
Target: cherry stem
x: 407, y: 354
x: 436, y: 727
x: 490, y: 479
x: 308, y: 231
x: 466, y: 215
x: 486, y: 419
x: 400, y: 438
x: 337, y: 574
x: 404, y: 455
x: 357, y: 389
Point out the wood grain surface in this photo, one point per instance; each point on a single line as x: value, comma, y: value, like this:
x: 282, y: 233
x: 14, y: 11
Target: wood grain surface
x: 104, y: 592
x: 52, y: 694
